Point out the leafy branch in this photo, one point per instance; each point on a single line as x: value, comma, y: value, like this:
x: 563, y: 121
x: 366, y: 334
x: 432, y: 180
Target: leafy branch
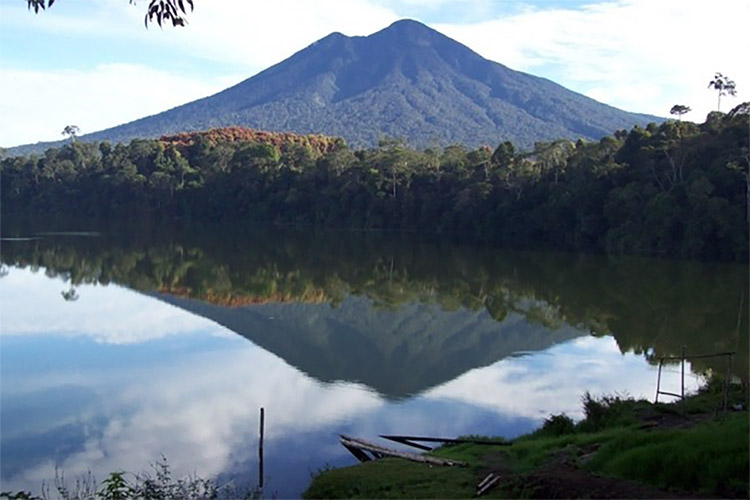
x: 173, y: 11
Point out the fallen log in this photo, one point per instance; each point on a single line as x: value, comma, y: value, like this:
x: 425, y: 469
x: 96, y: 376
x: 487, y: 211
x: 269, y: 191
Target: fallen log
x: 362, y: 445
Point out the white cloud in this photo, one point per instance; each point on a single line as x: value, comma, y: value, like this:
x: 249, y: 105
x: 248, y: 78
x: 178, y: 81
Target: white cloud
x: 638, y: 55
x: 41, y: 103
x: 256, y: 35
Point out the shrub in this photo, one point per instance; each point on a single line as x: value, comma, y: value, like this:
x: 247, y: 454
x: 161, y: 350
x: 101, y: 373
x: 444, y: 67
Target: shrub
x: 557, y: 425
x: 606, y: 411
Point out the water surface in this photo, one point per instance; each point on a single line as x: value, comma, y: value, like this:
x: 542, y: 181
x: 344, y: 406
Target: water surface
x: 119, y: 347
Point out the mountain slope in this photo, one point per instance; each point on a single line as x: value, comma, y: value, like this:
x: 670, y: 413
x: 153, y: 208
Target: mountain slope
x: 406, y: 81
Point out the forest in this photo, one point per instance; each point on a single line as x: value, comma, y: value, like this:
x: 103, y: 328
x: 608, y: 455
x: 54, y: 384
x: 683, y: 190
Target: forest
x: 676, y: 189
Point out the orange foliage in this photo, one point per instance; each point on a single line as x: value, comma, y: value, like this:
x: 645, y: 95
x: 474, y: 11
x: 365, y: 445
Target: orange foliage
x: 227, y: 299
x: 318, y: 144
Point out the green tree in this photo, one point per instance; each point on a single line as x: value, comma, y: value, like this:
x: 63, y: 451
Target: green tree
x: 679, y: 110
x: 71, y: 131
x: 724, y: 86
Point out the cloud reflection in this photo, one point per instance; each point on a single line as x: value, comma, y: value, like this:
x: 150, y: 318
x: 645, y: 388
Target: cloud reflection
x: 201, y: 411
x: 193, y: 391
x: 552, y: 382
x: 32, y: 304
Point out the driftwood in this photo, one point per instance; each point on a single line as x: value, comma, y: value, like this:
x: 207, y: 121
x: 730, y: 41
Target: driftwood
x: 352, y: 443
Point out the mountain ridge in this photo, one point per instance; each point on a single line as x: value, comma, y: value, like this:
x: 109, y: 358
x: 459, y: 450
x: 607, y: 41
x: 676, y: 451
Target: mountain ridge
x: 405, y: 81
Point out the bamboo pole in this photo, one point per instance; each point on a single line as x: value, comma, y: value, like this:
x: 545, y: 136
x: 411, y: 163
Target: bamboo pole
x: 726, y: 383
x: 658, y: 381
x: 682, y: 375
x: 260, y: 449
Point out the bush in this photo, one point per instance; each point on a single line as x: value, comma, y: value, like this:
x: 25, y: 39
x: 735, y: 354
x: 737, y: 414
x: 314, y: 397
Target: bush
x: 557, y: 425
x: 606, y: 411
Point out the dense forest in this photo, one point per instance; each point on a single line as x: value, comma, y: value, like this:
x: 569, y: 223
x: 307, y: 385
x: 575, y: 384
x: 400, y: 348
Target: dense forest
x: 676, y: 189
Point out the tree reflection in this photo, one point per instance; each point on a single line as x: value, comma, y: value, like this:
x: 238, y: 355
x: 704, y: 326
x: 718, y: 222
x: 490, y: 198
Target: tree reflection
x: 70, y: 295
x: 649, y: 305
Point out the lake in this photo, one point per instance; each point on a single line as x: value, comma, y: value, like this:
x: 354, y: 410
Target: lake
x: 119, y: 347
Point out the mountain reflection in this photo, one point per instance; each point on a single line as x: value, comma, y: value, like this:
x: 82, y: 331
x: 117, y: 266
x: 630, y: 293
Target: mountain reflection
x: 398, y: 352
x: 374, y: 296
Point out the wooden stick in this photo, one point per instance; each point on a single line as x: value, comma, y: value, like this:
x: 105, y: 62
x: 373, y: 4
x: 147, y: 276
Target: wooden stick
x: 726, y: 383
x: 407, y: 440
x: 487, y: 483
x: 666, y: 393
x: 358, y: 454
x: 658, y: 381
x: 260, y: 449
x: 485, y: 480
x: 697, y: 356
x: 682, y: 381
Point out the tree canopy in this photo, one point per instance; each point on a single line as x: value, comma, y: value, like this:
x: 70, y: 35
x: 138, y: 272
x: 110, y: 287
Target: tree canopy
x: 679, y: 110
x: 723, y: 86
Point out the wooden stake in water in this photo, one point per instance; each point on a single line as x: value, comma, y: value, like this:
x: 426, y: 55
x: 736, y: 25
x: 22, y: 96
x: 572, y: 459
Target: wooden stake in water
x: 260, y: 450
x: 682, y: 381
x: 658, y: 381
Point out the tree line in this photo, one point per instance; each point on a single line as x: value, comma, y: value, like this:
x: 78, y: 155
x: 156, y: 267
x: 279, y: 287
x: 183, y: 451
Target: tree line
x: 675, y: 189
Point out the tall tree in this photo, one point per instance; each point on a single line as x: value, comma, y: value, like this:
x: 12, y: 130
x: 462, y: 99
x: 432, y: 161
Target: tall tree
x: 724, y: 86
x: 71, y: 131
x: 679, y: 110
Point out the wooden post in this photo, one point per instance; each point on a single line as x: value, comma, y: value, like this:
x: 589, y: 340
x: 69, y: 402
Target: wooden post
x: 658, y: 381
x: 682, y: 380
x: 726, y: 382
x: 260, y: 450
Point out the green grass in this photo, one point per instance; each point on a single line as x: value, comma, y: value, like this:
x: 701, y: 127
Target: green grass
x: 708, y: 458
x: 394, y: 478
x: 532, y: 451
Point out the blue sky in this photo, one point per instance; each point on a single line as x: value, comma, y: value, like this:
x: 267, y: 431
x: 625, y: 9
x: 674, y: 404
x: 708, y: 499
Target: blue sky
x: 93, y: 64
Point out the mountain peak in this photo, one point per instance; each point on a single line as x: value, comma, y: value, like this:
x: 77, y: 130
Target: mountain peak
x: 409, y: 30
x: 409, y: 25
x: 406, y: 81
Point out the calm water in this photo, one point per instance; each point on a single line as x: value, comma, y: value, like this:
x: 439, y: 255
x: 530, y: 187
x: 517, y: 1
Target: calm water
x: 118, y: 348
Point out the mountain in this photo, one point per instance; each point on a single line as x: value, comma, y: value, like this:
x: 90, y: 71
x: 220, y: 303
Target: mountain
x: 397, y: 352
x: 405, y: 81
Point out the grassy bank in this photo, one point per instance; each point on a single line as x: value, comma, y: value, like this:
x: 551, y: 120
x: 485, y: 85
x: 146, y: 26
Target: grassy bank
x: 624, y: 448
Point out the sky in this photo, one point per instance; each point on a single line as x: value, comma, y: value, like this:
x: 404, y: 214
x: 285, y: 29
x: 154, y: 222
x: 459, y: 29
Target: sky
x: 93, y: 63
